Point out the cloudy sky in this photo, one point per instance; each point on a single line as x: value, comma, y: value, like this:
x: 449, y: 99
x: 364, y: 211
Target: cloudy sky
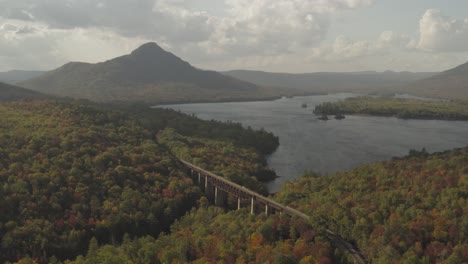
x: 270, y: 35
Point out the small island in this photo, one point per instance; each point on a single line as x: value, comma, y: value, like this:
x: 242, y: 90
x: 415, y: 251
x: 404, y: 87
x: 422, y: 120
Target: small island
x: 339, y: 116
x: 395, y: 107
x: 324, y: 117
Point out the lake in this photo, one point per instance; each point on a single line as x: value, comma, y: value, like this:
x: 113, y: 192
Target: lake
x: 309, y: 144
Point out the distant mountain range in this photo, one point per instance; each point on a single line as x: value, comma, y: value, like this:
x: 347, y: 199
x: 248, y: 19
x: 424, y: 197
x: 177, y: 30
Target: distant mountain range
x: 15, y: 76
x: 333, y: 82
x: 154, y: 76
x: 14, y: 93
x: 150, y: 75
x: 450, y: 84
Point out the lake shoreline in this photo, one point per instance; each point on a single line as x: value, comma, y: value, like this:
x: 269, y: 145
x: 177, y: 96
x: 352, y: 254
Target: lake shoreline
x: 325, y: 147
x: 402, y: 108
x: 247, y: 100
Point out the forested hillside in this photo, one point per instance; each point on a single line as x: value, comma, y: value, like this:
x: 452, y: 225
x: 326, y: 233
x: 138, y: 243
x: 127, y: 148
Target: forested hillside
x: 15, y: 76
x: 397, y: 107
x: 157, y: 119
x: 210, y: 235
x: 70, y: 171
x: 410, y: 210
x: 407, y: 210
x: 367, y: 82
x: 83, y: 179
x: 240, y: 165
x: 13, y: 93
x: 149, y: 74
x: 451, y: 84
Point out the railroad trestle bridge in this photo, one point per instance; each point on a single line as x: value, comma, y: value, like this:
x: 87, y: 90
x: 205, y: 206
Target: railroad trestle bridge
x: 218, y: 188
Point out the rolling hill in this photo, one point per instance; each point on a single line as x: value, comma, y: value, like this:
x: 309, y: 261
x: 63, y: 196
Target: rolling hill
x: 13, y: 93
x: 332, y: 82
x: 450, y: 84
x: 15, y: 76
x: 149, y: 74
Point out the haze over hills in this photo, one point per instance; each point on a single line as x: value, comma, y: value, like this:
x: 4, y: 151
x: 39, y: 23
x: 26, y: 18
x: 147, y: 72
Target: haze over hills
x: 152, y: 75
x: 333, y: 82
x: 14, y: 93
x: 15, y: 76
x: 450, y: 84
x: 149, y: 74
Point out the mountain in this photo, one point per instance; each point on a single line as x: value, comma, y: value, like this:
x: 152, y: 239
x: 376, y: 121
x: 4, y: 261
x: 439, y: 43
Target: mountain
x: 16, y: 76
x: 149, y: 74
x: 332, y: 82
x: 14, y: 93
x: 450, y: 84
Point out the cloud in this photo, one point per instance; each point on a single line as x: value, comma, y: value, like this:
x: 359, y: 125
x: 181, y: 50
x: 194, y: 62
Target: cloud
x: 95, y: 45
x: 442, y: 33
x: 389, y: 39
x: 179, y: 24
x: 242, y: 29
x: 248, y: 22
x: 344, y: 48
x: 253, y: 28
x: 267, y: 27
x: 25, y: 46
x: 28, y: 45
x: 139, y: 18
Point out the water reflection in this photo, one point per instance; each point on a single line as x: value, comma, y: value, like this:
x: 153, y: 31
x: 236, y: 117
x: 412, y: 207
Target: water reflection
x: 307, y: 143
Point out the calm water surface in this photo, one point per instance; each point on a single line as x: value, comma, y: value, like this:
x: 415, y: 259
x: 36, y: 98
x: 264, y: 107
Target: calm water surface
x: 308, y: 144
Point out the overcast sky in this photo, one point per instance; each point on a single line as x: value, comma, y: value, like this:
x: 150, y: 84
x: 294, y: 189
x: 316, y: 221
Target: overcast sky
x: 270, y: 35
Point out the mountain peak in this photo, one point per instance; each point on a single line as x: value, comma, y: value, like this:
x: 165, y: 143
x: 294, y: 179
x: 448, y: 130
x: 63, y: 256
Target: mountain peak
x: 148, y: 48
x: 151, y: 55
x: 148, y: 74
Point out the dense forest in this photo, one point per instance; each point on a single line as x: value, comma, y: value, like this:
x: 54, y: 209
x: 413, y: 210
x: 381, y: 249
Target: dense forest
x: 158, y: 119
x: 401, y: 108
x: 210, y: 235
x: 71, y: 171
x: 240, y: 165
x: 407, y: 210
x: 87, y: 183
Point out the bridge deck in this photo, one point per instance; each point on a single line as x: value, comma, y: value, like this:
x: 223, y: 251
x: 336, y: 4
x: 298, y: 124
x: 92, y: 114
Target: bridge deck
x: 258, y: 197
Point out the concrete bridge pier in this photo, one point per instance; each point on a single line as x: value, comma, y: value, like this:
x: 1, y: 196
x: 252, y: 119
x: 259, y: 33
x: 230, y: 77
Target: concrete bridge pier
x: 238, y: 203
x: 196, y: 176
x: 220, y: 197
x: 267, y: 209
x: 252, y: 205
x: 208, y: 188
